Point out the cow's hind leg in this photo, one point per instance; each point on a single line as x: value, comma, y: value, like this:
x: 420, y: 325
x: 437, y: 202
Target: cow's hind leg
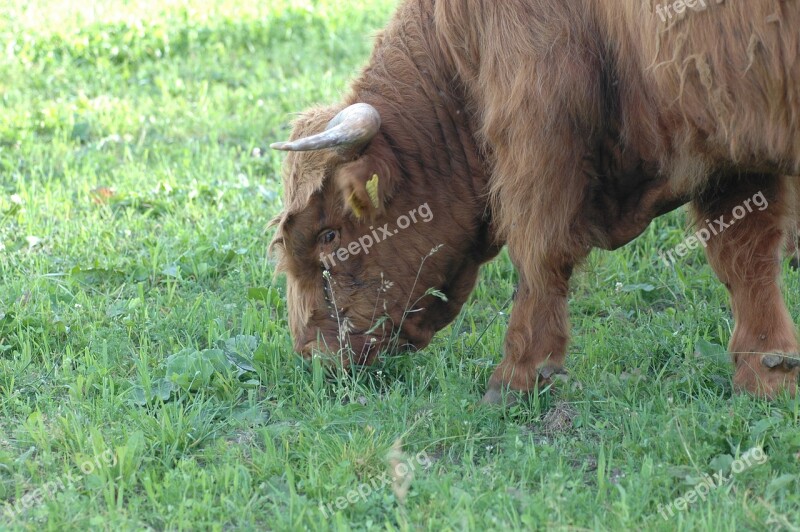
x: 746, y: 256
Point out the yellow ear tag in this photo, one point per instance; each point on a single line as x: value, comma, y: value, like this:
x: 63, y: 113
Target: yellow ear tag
x: 355, y: 205
x: 372, y: 190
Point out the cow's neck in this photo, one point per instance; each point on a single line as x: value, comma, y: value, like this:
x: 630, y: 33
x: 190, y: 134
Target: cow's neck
x: 423, y: 111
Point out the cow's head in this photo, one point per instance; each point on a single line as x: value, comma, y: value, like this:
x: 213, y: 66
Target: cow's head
x: 379, y: 252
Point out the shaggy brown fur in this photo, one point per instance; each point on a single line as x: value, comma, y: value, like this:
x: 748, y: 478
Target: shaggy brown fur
x: 553, y: 127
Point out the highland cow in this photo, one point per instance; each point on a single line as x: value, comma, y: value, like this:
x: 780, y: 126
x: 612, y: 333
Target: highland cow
x: 551, y: 128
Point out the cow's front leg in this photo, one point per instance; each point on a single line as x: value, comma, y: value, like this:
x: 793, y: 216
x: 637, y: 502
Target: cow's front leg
x: 537, y: 337
x: 750, y: 219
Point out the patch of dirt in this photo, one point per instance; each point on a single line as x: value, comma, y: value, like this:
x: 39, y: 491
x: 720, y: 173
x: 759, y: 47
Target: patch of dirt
x: 590, y: 462
x: 557, y: 420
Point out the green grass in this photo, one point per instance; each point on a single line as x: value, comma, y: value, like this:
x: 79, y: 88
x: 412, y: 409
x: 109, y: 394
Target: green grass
x: 119, y: 409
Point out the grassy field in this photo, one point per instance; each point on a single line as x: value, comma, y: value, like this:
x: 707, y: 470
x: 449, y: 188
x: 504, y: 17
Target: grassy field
x: 147, y: 380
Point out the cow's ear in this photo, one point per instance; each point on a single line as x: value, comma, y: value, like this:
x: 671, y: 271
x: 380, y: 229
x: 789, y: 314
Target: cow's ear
x: 363, y: 185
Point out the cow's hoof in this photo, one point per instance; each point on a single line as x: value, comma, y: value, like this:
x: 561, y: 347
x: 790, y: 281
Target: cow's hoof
x: 784, y: 361
x: 548, y: 374
x: 767, y: 375
x: 500, y: 395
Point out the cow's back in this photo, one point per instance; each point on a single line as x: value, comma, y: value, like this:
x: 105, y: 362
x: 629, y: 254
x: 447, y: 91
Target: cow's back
x: 725, y: 77
x: 706, y: 87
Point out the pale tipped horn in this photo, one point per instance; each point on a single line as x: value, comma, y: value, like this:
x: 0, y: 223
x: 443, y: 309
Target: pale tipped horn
x: 354, y: 126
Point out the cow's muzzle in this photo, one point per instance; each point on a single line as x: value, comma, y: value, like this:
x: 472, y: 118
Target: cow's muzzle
x: 355, y: 349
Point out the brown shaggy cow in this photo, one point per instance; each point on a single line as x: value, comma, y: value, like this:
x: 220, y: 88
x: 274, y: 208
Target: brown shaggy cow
x: 551, y: 127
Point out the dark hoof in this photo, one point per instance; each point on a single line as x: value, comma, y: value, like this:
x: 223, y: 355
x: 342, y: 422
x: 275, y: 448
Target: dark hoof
x: 548, y: 373
x: 792, y: 362
x: 497, y: 395
x: 789, y: 361
x: 772, y: 361
x: 777, y: 373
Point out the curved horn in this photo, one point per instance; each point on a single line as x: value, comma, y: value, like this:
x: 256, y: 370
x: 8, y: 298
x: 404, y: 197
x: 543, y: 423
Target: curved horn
x: 354, y: 126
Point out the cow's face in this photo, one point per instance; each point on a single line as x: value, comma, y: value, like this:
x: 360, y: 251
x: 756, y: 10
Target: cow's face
x: 371, y: 263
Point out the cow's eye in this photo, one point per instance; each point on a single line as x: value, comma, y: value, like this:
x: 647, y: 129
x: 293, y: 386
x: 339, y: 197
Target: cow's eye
x: 328, y: 236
